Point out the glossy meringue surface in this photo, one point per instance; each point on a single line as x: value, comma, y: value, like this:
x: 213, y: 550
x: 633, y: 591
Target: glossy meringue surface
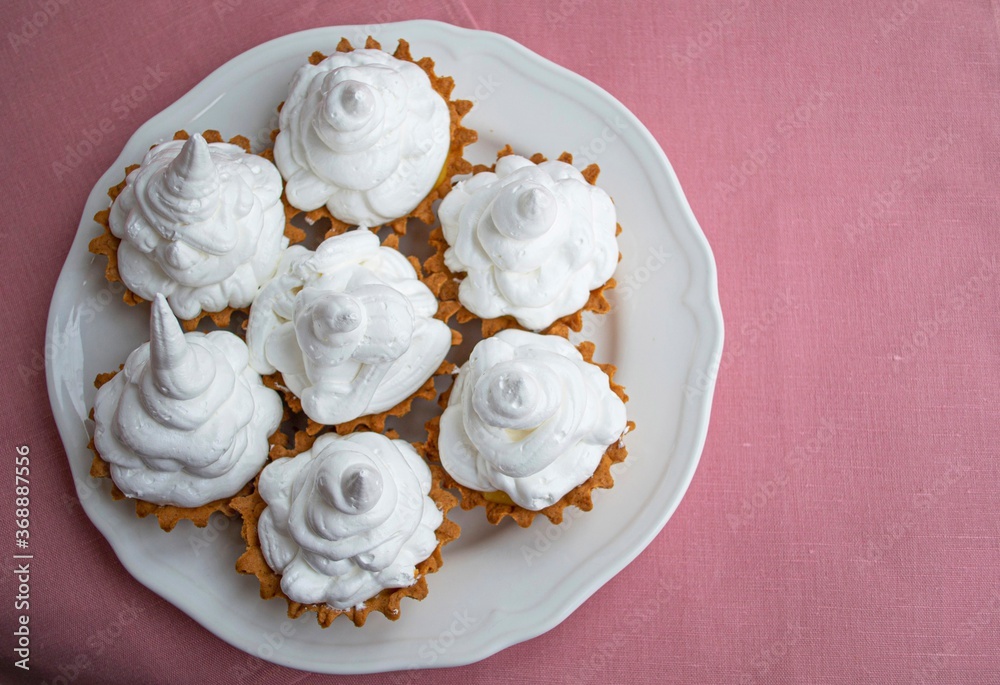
x: 201, y: 223
x: 528, y: 416
x: 186, y: 421
x: 532, y: 239
x: 347, y: 518
x: 350, y: 327
x: 364, y: 134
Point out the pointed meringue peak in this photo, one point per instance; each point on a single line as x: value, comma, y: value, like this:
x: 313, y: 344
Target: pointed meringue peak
x: 191, y: 179
x: 348, y: 105
x: 362, y: 485
x: 524, y: 211
x: 192, y: 165
x: 349, y: 481
x: 180, y: 370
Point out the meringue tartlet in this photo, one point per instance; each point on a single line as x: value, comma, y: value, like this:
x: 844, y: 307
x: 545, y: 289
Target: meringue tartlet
x: 186, y: 424
x: 367, y: 138
x: 530, y: 426
x: 351, y: 525
x: 528, y: 242
x: 200, y: 222
x: 351, y: 329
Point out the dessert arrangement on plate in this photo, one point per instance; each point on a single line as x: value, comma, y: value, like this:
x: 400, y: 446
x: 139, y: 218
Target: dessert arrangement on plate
x: 284, y: 333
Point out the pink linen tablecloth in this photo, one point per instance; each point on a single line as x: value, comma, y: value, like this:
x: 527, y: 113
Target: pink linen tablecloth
x: 843, y: 160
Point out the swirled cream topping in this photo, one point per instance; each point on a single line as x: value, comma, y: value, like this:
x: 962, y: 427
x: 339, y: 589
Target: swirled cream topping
x: 347, y: 518
x: 528, y: 416
x: 187, y: 421
x: 533, y: 240
x: 363, y: 133
x: 200, y: 223
x: 349, y: 326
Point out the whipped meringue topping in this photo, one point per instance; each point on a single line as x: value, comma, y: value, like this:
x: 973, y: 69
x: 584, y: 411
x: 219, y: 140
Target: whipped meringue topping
x: 363, y: 133
x: 201, y: 223
x: 533, y: 240
x: 187, y: 421
x: 349, y: 326
x: 530, y: 417
x: 347, y: 518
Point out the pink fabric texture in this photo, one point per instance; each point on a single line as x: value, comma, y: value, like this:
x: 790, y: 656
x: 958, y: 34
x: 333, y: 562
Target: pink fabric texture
x: 843, y: 160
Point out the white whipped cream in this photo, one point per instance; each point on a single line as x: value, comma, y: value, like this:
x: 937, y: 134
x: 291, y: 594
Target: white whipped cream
x: 363, y: 133
x: 349, y: 326
x: 528, y: 416
x: 200, y: 223
x: 187, y: 421
x: 534, y: 240
x: 347, y: 518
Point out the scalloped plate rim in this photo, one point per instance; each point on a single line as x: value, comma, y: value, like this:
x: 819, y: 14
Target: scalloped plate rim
x: 701, y: 298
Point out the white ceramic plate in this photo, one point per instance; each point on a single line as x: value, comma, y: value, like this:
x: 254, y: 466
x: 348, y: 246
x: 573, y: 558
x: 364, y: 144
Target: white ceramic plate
x: 499, y: 585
